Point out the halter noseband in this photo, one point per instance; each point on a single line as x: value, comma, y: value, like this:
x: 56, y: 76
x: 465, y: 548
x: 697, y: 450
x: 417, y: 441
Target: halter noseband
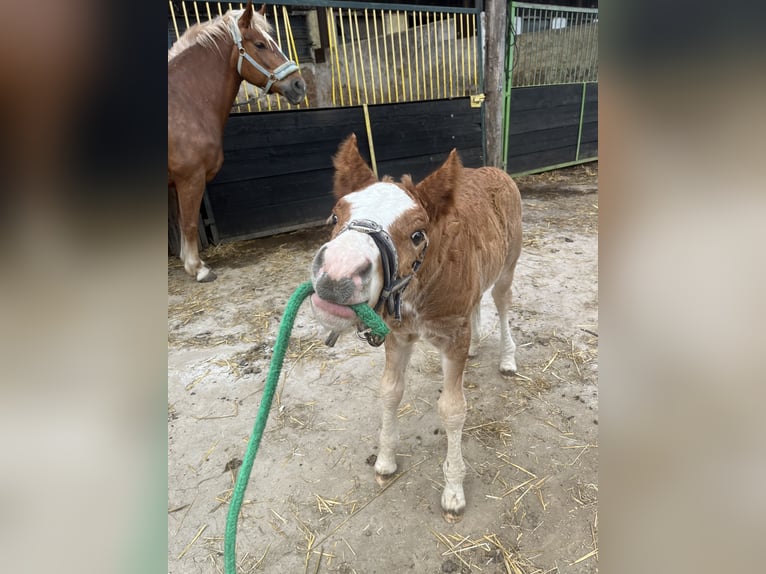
x: 279, y: 73
x: 393, y: 285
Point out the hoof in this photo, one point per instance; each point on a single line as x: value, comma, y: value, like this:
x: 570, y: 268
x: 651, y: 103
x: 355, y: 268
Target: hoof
x: 453, y: 517
x: 384, y: 479
x: 507, y: 372
x: 205, y: 275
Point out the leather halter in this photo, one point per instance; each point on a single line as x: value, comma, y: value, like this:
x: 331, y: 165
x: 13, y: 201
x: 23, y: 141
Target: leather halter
x: 279, y: 73
x: 393, y: 285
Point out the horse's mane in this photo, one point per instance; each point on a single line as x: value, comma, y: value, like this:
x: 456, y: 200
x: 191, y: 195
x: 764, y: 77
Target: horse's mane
x: 208, y: 33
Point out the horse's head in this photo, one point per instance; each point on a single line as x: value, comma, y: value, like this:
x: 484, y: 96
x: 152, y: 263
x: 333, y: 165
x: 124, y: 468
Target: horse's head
x: 259, y: 59
x: 379, y: 238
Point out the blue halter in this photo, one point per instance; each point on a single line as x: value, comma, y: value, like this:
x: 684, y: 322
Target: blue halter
x: 280, y: 73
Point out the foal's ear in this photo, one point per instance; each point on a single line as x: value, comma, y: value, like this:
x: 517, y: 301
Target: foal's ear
x: 351, y: 171
x: 437, y: 191
x: 262, y: 11
x: 245, y: 20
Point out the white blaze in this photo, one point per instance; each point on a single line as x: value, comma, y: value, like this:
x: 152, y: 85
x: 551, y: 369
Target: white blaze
x: 383, y: 203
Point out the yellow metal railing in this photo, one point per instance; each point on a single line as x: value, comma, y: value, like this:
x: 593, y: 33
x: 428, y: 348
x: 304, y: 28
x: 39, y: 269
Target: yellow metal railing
x: 404, y: 56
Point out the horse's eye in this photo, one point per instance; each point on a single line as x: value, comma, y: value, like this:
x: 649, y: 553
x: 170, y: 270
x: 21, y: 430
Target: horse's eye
x: 334, y: 219
x: 260, y: 45
x: 417, y: 238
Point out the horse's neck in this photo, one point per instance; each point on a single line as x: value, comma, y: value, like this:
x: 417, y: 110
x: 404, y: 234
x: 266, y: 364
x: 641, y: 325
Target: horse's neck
x: 216, y: 78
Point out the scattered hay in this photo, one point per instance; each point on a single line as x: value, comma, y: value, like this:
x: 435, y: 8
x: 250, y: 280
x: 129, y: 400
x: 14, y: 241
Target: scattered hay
x: 477, y: 552
x: 491, y: 434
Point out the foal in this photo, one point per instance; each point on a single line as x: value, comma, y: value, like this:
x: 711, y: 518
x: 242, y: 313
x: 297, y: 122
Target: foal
x: 422, y: 256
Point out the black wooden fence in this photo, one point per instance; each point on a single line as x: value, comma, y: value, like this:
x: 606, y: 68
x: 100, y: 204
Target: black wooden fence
x: 277, y: 174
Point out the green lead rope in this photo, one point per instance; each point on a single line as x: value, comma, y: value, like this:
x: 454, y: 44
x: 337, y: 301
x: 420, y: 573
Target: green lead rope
x: 377, y: 326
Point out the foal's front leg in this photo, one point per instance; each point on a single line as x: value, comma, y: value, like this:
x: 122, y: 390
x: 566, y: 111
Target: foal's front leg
x: 452, y: 408
x: 398, y: 353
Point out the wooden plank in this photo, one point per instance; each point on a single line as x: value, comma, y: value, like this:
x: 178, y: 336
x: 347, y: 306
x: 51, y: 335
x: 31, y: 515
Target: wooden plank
x: 534, y: 120
x: 542, y: 140
x: 542, y: 159
x: 545, y: 97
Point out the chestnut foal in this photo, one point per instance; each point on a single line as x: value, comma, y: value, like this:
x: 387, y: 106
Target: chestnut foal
x: 422, y: 256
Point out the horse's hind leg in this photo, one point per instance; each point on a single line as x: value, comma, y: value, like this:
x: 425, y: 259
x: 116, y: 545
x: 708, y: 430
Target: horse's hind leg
x: 501, y: 293
x: 190, y: 193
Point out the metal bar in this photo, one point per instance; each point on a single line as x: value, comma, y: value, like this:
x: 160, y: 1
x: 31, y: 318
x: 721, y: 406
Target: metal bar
x: 421, y: 73
x: 478, y: 57
x: 332, y: 25
x: 369, y: 58
x: 279, y: 42
x: 369, y: 139
x: 430, y: 59
x: 393, y: 54
x: 462, y: 55
x: 449, y: 56
x: 354, y: 43
x: 345, y: 57
x: 555, y: 166
x: 510, y: 41
x: 401, y: 54
x: 173, y: 17
x: 582, y: 115
x: 418, y: 28
x: 409, y: 61
x: 377, y: 55
x: 385, y: 55
x: 186, y: 16
x: 293, y: 48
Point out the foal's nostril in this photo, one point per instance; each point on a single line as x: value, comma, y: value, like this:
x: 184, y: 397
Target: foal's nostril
x: 299, y: 85
x: 340, y: 291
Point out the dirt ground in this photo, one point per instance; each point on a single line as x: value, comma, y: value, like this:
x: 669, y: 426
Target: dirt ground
x: 312, y: 504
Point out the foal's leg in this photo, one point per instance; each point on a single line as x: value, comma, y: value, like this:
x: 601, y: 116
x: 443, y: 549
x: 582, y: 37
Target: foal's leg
x: 190, y: 191
x: 501, y: 293
x: 452, y: 413
x: 398, y: 353
x: 473, y: 350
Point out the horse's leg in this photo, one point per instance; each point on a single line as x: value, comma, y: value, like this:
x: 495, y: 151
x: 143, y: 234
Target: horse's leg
x: 398, y: 353
x: 452, y: 413
x: 190, y: 191
x: 475, y: 327
x: 501, y: 293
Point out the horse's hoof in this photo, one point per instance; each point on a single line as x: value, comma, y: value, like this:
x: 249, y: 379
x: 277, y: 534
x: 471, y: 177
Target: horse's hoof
x: 206, y: 276
x: 453, y: 517
x: 507, y: 372
x: 384, y: 479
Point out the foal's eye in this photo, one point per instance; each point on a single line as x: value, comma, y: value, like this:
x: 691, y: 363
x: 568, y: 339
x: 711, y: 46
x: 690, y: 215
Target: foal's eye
x: 417, y: 238
x: 260, y: 45
x: 334, y: 219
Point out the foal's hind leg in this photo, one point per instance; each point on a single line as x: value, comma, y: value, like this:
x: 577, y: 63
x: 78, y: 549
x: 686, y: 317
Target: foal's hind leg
x: 190, y: 191
x: 501, y: 293
x: 452, y: 409
x: 473, y: 350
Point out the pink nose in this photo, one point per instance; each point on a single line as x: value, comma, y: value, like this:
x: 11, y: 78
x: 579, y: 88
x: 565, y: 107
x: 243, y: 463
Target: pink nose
x: 339, y: 279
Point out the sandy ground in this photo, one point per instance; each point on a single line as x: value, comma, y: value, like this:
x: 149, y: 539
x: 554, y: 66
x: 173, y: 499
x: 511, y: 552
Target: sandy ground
x: 312, y: 504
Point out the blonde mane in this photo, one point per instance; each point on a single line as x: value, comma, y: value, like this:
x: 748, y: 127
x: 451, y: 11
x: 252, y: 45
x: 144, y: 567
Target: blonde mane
x: 209, y: 33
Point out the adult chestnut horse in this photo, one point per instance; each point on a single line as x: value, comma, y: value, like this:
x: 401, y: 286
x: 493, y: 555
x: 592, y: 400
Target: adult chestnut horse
x: 422, y: 256
x: 205, y: 69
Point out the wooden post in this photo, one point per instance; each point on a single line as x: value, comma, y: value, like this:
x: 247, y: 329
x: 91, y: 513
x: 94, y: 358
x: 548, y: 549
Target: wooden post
x: 494, y: 78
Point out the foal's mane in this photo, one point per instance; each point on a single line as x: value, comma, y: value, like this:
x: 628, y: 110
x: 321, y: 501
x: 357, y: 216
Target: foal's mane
x: 209, y: 33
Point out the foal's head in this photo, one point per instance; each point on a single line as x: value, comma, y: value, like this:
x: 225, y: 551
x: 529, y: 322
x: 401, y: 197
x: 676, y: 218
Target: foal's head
x: 379, y: 237
x: 260, y: 60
